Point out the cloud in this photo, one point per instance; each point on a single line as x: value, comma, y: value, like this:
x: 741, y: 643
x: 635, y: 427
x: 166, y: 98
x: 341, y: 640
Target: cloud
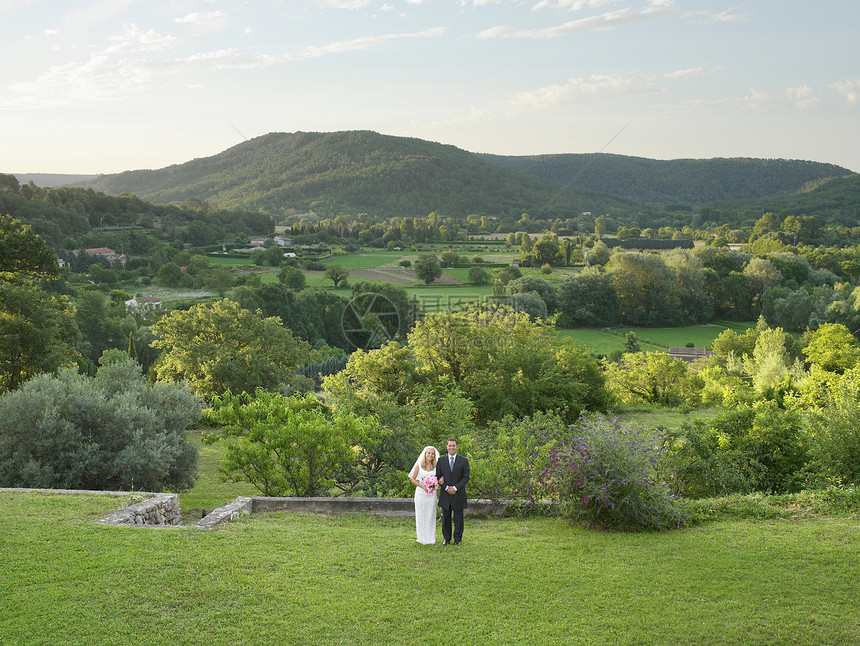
x: 205, y: 19
x: 580, y: 90
x: 599, y: 22
x: 122, y: 69
x: 365, y: 42
x: 134, y: 39
x: 102, y: 77
x: 687, y: 73
x: 849, y: 89
x: 801, y: 97
x: 346, y: 4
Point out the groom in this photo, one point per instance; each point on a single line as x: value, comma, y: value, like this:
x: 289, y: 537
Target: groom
x: 452, y: 499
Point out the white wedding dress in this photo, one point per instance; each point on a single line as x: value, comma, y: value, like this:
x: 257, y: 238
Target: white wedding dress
x: 425, y: 511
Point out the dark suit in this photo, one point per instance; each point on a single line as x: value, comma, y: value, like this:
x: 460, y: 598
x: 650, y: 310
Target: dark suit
x: 453, y: 505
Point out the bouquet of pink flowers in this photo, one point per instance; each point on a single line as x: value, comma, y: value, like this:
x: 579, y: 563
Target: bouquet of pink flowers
x: 430, y: 483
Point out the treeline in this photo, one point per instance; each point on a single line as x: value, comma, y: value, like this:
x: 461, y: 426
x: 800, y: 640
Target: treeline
x: 687, y: 181
x: 74, y: 218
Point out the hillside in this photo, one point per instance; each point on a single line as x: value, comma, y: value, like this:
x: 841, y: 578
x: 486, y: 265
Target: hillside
x: 835, y: 200
x: 354, y: 171
x: 53, y: 180
x: 686, y: 181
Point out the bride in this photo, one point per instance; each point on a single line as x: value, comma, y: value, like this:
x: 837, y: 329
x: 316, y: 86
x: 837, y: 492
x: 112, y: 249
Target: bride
x: 425, y: 494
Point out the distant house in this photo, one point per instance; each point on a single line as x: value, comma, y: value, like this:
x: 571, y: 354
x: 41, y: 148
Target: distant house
x: 282, y: 241
x: 105, y: 252
x: 689, y: 354
x: 143, y: 304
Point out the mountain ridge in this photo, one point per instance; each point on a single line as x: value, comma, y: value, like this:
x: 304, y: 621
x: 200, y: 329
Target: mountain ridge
x: 364, y: 171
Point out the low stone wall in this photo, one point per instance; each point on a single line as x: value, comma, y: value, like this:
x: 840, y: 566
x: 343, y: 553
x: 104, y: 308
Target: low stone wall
x: 385, y: 507
x: 162, y: 510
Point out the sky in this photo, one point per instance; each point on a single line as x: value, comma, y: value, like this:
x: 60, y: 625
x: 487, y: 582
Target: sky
x: 103, y: 86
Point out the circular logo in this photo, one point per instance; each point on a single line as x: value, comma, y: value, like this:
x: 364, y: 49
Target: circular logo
x: 369, y: 320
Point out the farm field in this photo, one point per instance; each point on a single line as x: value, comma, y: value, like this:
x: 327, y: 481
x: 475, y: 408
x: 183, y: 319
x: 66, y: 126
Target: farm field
x: 304, y: 579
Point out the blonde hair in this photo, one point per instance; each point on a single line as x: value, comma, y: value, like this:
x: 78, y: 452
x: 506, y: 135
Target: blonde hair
x: 434, y: 458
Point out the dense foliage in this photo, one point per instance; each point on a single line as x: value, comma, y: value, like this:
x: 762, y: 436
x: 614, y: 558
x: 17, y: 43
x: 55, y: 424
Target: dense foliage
x: 285, y: 445
x: 609, y: 475
x: 115, y: 431
x: 221, y: 347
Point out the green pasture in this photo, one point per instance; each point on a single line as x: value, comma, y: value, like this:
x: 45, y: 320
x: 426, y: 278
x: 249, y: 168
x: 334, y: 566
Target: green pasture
x: 602, y: 343
x: 369, y: 259
x: 230, y: 261
x: 305, y: 579
x: 701, y: 336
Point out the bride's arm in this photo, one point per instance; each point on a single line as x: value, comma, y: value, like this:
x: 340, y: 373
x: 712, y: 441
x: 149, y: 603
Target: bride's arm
x: 413, y: 475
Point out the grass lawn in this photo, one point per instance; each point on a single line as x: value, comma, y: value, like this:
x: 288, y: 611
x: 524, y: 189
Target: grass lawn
x: 303, y: 579
x: 209, y: 491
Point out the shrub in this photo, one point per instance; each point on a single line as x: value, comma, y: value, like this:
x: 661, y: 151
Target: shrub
x: 609, y: 475
x: 752, y: 448
x: 113, y: 431
x: 835, y: 438
x: 509, y: 456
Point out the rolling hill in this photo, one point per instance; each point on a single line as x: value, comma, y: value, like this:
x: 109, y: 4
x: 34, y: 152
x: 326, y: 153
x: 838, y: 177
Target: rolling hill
x: 357, y: 172
x: 366, y: 172
x: 685, y: 181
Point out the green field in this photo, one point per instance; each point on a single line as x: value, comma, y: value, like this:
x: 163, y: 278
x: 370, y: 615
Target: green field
x: 304, y: 579
x: 603, y: 343
x: 701, y: 336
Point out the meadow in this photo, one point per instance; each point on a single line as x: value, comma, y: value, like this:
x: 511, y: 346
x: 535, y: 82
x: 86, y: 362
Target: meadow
x: 304, y: 579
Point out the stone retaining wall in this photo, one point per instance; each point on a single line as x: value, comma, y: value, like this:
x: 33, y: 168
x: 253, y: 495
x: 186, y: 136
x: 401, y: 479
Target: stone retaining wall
x: 385, y: 507
x: 161, y: 510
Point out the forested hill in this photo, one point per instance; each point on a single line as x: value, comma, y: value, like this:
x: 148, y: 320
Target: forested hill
x: 679, y: 181
x: 835, y: 200
x: 354, y: 172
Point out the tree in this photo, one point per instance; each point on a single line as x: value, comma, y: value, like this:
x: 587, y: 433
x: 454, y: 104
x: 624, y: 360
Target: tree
x: 220, y: 346
x: 427, y: 268
x: 652, y: 378
x: 276, y: 300
x: 478, y: 276
x: 337, y: 274
x: 588, y: 299
x: 285, y: 445
x: 833, y: 348
x: 504, y: 362
x: 325, y: 311
x: 169, y: 275
x: 544, y: 289
x: 384, y: 383
x: 23, y: 254
x: 382, y: 310
x: 292, y: 277
x: 547, y: 250
x: 219, y: 281
x: 37, y: 329
x: 115, y: 431
x: 37, y: 333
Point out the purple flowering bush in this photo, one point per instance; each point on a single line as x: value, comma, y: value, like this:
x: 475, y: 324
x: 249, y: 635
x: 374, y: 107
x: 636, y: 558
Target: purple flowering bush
x: 610, y: 475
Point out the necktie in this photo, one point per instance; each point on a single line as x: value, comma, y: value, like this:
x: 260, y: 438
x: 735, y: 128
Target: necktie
x: 451, y: 463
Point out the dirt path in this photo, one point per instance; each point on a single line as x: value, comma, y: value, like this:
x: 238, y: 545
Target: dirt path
x: 399, y: 276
